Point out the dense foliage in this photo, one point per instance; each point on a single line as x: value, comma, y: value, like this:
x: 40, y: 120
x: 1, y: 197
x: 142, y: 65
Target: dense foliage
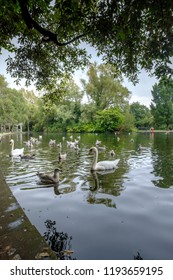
x: 69, y: 112
x: 47, y: 38
x: 162, y: 104
x: 104, y: 87
x: 12, y: 105
x: 16, y: 106
x: 142, y: 115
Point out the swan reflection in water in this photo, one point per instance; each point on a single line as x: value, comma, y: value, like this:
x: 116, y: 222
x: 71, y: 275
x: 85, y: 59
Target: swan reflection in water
x: 59, y: 242
x: 96, y: 178
x: 100, y: 192
x: 55, y: 187
x: 41, y: 186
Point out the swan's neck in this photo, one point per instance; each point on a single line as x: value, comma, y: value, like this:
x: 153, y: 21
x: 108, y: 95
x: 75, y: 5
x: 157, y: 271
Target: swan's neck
x: 12, y: 148
x: 56, y: 175
x: 95, y: 159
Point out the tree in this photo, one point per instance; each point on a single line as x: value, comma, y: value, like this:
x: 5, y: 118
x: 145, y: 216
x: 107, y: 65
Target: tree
x: 109, y: 120
x: 61, y: 107
x: 10, y: 111
x: 142, y: 115
x: 33, y: 104
x: 162, y: 103
x: 45, y: 36
x: 128, y: 122
x: 16, y: 106
x: 104, y: 87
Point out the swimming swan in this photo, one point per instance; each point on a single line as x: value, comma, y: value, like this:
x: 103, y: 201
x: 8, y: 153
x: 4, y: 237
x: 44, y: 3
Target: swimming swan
x: 15, y: 152
x: 50, y: 178
x: 60, y: 155
x: 102, y: 165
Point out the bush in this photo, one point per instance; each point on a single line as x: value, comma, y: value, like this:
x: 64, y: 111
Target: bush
x: 109, y: 120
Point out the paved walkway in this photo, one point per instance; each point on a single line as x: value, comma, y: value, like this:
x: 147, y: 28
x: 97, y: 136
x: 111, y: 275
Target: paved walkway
x: 18, y: 238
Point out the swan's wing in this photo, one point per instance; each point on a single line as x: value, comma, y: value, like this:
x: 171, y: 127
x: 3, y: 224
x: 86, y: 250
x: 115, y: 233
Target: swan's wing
x: 106, y: 171
x: 116, y: 161
x: 107, y: 164
x: 18, y: 152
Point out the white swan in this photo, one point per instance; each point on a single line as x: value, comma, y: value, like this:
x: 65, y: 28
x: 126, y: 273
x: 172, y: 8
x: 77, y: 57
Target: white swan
x: 98, y: 142
x: 49, y: 178
x: 52, y: 142
x: 76, y: 147
x: 15, y: 152
x: 102, y: 165
x: 62, y: 156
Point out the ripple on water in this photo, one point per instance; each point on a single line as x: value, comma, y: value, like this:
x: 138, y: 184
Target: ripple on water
x: 108, y: 216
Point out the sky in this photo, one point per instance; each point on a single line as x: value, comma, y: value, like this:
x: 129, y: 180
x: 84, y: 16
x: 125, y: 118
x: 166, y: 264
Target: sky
x: 141, y: 92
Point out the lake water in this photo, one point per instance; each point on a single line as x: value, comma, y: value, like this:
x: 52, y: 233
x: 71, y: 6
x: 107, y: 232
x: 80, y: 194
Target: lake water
x: 124, y: 214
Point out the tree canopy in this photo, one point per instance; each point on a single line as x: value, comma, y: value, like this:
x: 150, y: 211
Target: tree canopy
x: 142, y: 115
x: 104, y: 87
x: 10, y: 99
x: 162, y: 103
x: 45, y: 37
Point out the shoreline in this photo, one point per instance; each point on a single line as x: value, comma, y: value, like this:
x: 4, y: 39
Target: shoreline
x: 20, y: 240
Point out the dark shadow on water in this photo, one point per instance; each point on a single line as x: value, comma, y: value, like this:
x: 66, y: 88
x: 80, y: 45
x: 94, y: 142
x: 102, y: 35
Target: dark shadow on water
x: 59, y: 242
x: 138, y: 256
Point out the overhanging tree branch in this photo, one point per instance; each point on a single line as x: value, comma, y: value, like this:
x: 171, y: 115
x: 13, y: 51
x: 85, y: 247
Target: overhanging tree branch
x: 48, y: 36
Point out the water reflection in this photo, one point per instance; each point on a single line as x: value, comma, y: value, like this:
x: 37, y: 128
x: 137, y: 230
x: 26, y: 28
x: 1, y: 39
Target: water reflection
x: 15, y: 223
x: 55, y: 188
x: 138, y: 256
x: 162, y: 155
x: 84, y: 203
x: 93, y: 199
x: 99, y: 187
x: 96, y: 181
x: 59, y: 242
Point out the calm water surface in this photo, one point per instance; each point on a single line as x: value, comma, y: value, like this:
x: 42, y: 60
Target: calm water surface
x: 119, y: 215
